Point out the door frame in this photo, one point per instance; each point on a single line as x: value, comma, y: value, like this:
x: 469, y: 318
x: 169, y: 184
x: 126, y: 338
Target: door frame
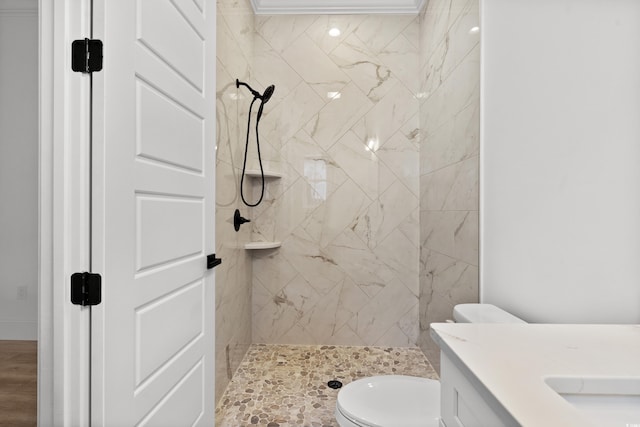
x: 64, y: 216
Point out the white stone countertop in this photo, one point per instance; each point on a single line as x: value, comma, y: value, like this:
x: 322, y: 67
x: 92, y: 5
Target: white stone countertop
x: 513, y: 360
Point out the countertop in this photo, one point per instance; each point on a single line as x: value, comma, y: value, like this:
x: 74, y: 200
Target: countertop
x: 513, y: 360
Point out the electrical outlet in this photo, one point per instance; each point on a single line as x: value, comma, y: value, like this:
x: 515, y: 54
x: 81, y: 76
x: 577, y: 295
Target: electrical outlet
x: 22, y: 292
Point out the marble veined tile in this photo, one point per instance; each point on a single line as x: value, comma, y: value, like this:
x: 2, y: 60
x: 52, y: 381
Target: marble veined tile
x: 273, y: 70
x: 240, y: 20
x: 396, y: 337
x: 333, y: 310
x: 411, y: 129
x: 364, y: 68
x: 436, y: 186
x: 272, y: 270
x: 463, y: 36
x: 458, y: 184
x: 319, y: 30
x: 402, y: 156
x: 297, y: 334
x: 290, y: 210
x: 315, y: 265
x: 320, y: 319
x: 462, y: 8
x: 338, y: 116
x: 360, y: 263
x: 434, y: 25
x: 223, y: 371
x: 345, y: 204
x: 351, y: 299
x: 235, y: 6
x: 458, y: 91
x: 458, y: 47
x: 268, y: 153
x: 401, y: 57
x: 275, y: 188
x: 399, y: 254
x: 283, y: 121
x: 386, y: 213
x: 346, y: 336
x: 230, y: 52
x: 446, y: 279
x: 377, y: 31
x: 260, y: 296
x: 315, y: 67
x: 394, y: 110
x: 358, y: 159
x: 226, y: 102
x: 457, y: 140
x: 283, y: 311
x: 313, y: 163
x: 453, y: 233
x: 412, y: 32
x: 279, y: 30
x: 410, y: 325
x: 379, y: 314
x: 410, y: 227
x: 226, y: 195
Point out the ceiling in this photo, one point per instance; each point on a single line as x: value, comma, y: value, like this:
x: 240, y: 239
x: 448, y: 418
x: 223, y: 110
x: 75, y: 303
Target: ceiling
x: 275, y: 7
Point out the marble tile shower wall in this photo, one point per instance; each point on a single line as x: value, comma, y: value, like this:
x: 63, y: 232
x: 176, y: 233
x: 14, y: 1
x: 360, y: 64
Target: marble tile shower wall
x: 449, y: 153
x: 233, y: 276
x: 342, y: 126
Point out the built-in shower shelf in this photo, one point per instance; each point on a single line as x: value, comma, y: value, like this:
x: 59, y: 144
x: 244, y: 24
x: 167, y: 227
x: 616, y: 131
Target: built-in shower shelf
x: 262, y: 245
x: 255, y: 173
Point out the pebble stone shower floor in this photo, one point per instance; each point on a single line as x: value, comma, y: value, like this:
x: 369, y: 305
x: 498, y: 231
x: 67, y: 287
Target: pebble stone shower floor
x: 286, y: 385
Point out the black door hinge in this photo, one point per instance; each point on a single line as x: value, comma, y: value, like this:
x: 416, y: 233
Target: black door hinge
x: 86, y: 288
x: 212, y: 261
x: 86, y: 55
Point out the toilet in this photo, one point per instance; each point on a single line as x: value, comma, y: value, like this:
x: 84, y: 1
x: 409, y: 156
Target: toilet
x: 401, y: 400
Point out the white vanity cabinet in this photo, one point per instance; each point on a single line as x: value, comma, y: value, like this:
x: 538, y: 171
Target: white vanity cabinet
x: 463, y: 400
x: 497, y: 375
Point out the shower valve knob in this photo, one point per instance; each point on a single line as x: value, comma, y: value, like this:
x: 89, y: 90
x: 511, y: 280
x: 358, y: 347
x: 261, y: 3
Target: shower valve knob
x: 238, y: 220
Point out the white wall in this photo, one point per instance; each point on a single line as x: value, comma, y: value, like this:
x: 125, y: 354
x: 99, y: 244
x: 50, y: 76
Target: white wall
x: 560, y: 172
x: 18, y: 169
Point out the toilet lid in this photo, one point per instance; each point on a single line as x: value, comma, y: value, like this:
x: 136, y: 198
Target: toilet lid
x: 391, y: 400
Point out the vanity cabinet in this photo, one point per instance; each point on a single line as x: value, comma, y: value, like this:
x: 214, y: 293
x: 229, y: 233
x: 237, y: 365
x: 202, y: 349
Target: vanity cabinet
x: 463, y: 400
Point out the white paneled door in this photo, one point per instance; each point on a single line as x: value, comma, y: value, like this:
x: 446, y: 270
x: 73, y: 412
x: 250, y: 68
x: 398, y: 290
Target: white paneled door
x: 153, y: 213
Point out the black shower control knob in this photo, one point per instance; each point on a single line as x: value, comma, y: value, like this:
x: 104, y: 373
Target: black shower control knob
x: 238, y: 220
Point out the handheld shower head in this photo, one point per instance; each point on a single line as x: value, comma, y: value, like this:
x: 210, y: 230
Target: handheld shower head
x: 266, y: 96
x: 268, y: 92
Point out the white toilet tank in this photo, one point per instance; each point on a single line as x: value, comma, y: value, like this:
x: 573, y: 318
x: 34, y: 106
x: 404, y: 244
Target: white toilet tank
x: 483, y: 313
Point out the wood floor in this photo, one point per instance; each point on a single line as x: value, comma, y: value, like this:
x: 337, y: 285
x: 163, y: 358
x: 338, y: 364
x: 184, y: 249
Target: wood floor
x: 18, y: 383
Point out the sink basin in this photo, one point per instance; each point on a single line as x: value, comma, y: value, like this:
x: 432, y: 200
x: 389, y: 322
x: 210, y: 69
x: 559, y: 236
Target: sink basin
x: 608, y: 402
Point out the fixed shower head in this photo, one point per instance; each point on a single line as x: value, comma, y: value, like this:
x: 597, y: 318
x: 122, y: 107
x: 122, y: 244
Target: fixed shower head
x: 264, y: 97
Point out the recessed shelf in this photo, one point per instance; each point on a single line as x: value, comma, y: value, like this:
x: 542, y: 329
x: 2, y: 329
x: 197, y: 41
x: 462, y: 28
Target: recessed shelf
x: 262, y: 245
x: 255, y: 173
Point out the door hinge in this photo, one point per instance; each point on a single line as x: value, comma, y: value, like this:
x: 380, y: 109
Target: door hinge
x: 86, y: 55
x: 86, y: 288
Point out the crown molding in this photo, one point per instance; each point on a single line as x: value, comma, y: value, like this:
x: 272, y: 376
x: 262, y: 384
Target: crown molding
x: 336, y: 7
